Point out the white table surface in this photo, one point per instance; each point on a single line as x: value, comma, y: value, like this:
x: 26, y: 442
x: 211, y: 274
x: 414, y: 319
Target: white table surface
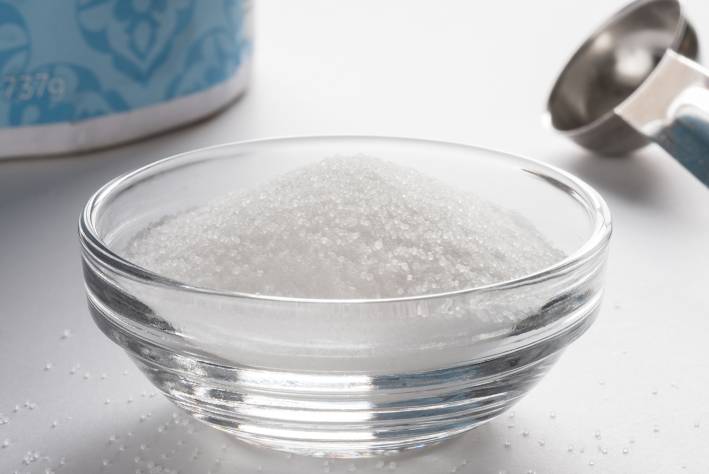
x: 629, y: 397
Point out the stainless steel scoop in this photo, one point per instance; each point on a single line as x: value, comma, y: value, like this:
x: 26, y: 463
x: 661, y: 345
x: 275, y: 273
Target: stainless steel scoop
x: 635, y: 80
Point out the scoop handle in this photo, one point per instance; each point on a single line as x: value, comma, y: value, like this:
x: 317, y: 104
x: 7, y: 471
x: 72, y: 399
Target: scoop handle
x: 686, y: 138
x: 672, y: 109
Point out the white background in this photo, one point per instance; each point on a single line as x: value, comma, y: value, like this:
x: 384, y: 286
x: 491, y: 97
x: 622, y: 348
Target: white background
x: 466, y: 71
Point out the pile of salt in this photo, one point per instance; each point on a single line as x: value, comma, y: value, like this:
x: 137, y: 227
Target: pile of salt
x: 345, y: 227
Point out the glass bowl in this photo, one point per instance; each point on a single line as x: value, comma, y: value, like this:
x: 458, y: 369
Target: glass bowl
x: 344, y: 378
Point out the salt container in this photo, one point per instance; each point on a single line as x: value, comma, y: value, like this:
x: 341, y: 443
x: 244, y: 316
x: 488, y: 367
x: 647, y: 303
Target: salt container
x: 84, y: 74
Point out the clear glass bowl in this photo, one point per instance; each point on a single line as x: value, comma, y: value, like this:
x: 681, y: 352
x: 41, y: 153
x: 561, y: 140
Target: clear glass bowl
x: 344, y: 378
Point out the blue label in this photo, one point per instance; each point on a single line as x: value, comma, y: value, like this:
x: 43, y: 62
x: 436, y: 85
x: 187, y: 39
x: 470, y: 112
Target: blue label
x: 71, y: 60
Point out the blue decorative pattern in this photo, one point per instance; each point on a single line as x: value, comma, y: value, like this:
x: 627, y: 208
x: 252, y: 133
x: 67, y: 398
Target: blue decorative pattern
x: 138, y: 35
x: 98, y: 57
x: 14, y: 40
x: 213, y: 58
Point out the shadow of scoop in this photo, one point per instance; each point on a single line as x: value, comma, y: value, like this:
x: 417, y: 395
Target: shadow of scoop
x: 637, y: 181
x: 634, y: 178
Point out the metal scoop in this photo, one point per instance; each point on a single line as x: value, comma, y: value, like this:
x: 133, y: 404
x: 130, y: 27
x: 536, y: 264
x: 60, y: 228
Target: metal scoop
x: 635, y: 80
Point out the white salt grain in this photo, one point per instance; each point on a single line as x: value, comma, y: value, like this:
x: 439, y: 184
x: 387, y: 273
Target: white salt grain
x: 345, y: 227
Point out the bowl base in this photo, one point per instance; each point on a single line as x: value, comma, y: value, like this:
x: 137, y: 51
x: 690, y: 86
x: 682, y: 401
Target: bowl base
x: 334, y: 450
x: 348, y: 416
x: 398, y: 413
x: 343, y: 415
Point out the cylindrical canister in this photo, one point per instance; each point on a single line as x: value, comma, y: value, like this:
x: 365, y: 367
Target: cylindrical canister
x: 83, y: 74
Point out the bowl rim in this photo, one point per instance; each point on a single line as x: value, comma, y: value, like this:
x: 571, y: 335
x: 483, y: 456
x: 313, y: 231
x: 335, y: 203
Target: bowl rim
x: 92, y: 243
